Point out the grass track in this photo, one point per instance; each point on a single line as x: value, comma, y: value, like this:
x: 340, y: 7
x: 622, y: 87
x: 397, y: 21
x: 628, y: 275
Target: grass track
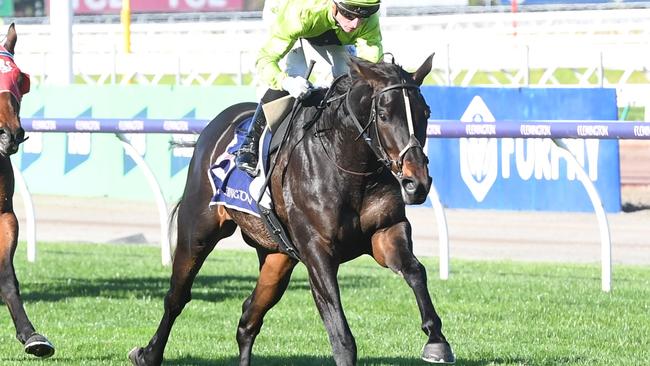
x: 96, y: 302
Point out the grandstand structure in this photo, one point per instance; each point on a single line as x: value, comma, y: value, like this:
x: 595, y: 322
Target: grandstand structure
x: 568, y: 48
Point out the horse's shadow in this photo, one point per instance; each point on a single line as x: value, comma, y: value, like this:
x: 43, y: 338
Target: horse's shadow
x: 305, y: 360
x: 212, y: 288
x: 302, y: 360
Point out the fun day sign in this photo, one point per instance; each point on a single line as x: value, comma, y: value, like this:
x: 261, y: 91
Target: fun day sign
x: 521, y: 174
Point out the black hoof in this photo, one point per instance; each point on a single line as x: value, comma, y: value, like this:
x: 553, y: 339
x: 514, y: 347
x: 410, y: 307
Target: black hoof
x: 39, y: 346
x: 135, y: 356
x: 438, y: 353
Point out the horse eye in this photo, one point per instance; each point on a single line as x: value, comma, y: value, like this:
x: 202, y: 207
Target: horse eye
x: 382, y: 116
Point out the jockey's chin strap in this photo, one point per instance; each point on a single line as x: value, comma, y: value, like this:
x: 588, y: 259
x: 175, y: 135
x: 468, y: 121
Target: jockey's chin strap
x: 380, y: 151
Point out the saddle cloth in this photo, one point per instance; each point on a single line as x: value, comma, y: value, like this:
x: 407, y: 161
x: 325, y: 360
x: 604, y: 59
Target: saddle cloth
x: 234, y: 188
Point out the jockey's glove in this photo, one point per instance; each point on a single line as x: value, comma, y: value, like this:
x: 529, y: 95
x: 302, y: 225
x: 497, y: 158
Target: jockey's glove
x: 296, y: 86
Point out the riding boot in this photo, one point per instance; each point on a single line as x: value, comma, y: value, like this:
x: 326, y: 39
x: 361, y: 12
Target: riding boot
x: 246, y: 158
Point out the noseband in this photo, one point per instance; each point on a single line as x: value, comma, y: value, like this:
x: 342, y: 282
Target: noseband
x: 380, y: 151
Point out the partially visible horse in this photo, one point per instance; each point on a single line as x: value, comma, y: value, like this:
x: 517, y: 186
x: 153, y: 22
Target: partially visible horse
x: 339, y: 187
x: 13, y: 84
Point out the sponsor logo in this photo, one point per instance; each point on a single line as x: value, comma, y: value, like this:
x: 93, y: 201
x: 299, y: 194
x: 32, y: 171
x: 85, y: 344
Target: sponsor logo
x: 90, y: 125
x: 642, y: 131
x: 44, y: 124
x: 132, y: 125
x: 478, y: 156
x: 434, y: 130
x: 176, y: 126
x: 535, y: 130
x: 593, y: 130
x: 481, y: 129
x: 238, y: 194
x: 483, y: 159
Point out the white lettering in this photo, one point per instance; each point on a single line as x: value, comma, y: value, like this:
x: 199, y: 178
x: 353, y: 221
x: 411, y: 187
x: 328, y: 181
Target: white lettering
x: 79, y: 143
x: 524, y: 161
x: 507, y: 149
x: 44, y: 124
x: 175, y: 126
x: 434, y: 130
x: 196, y: 4
x: 238, y: 194
x: 535, y: 130
x: 641, y: 131
x: 593, y: 130
x: 481, y: 129
x: 577, y: 149
x: 95, y: 5
x: 82, y: 125
x: 130, y: 125
x: 542, y: 152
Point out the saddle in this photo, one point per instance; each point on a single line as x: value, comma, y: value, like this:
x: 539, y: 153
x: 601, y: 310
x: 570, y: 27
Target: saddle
x: 235, y: 189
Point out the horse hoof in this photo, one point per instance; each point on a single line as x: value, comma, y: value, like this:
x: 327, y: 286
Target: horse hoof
x: 438, y: 353
x: 135, y: 356
x: 39, y: 346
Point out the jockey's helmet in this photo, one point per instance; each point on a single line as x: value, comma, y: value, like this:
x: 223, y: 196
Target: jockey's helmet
x: 357, y: 8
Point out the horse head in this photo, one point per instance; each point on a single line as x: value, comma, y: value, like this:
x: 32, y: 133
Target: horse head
x: 391, y: 99
x: 13, y: 84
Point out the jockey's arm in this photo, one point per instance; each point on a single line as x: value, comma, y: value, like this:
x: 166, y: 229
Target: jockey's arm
x: 368, y: 43
x: 268, y: 58
x: 286, y: 30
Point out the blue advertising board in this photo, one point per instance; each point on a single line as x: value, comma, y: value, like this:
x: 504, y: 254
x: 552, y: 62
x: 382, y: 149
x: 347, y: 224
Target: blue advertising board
x: 517, y: 173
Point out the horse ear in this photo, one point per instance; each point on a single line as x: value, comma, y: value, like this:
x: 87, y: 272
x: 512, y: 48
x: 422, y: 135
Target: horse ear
x: 424, y: 70
x: 363, y: 69
x: 10, y: 43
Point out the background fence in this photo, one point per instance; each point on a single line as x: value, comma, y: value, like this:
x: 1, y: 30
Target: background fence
x: 547, y: 49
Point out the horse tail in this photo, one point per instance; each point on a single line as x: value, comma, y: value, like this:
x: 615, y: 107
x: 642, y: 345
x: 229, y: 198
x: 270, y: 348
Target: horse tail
x: 171, y: 225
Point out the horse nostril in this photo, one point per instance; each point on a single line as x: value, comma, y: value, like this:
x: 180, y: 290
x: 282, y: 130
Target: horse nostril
x: 409, y: 185
x: 20, y: 135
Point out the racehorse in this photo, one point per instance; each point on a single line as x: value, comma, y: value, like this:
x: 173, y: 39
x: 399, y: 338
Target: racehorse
x: 13, y: 84
x: 339, y: 187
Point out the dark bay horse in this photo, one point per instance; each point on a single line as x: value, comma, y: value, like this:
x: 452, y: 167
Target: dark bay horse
x: 339, y: 187
x: 13, y: 84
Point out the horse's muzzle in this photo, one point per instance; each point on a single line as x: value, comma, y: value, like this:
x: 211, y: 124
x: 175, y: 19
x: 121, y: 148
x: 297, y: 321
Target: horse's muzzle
x: 9, y: 141
x: 414, y: 192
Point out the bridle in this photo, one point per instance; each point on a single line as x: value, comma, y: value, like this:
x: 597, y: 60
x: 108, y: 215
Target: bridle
x: 9, y: 73
x: 380, y: 151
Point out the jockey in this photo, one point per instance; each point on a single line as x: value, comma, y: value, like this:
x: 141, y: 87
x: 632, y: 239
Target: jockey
x: 330, y: 27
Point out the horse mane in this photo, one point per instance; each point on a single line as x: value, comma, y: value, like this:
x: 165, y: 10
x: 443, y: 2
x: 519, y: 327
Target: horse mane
x: 371, y: 73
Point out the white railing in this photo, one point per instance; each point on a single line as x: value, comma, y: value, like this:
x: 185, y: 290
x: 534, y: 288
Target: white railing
x: 477, y: 49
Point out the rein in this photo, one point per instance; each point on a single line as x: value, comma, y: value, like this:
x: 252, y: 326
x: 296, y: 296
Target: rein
x: 325, y: 102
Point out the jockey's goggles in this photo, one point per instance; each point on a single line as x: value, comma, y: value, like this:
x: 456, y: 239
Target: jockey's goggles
x: 352, y: 12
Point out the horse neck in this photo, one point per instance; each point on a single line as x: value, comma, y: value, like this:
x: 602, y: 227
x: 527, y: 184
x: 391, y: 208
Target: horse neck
x: 344, y: 138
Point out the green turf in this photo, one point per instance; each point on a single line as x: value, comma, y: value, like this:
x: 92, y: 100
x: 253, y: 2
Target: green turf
x: 96, y: 302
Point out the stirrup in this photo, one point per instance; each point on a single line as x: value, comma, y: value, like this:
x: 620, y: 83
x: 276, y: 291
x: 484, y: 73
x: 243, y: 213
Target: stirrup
x: 248, y: 163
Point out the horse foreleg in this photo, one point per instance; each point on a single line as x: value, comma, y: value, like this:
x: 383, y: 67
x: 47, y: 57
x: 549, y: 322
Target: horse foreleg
x: 323, y: 269
x: 392, y: 248
x: 275, y: 273
x: 188, y: 259
x: 34, y: 343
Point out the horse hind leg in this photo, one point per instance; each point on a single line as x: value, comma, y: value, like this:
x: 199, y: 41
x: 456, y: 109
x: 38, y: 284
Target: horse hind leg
x: 275, y: 273
x: 197, y: 237
x: 34, y: 343
x: 392, y: 248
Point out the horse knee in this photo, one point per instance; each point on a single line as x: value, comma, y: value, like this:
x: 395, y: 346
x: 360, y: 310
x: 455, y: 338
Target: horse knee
x: 175, y: 304
x: 247, y: 330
